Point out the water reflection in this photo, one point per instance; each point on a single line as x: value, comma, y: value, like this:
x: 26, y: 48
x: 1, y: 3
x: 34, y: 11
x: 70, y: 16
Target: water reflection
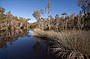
x: 37, y: 47
x: 10, y: 36
x: 42, y: 46
x: 22, y: 45
x: 40, y: 39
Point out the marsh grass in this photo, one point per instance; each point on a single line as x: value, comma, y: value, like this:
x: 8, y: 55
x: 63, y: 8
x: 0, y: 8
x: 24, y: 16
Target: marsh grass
x: 76, y: 40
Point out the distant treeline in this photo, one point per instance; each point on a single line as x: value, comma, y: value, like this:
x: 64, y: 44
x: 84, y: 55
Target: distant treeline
x: 12, y: 23
x: 80, y: 21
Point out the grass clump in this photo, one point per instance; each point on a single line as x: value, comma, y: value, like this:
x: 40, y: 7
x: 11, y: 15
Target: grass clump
x: 69, y: 43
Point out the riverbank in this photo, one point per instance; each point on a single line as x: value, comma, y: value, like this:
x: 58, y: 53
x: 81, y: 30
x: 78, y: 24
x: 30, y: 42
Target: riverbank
x: 69, y: 44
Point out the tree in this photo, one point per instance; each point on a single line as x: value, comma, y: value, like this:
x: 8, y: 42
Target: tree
x: 72, y: 16
x: 2, y: 10
x: 46, y: 10
x: 57, y: 21
x: 41, y: 11
x: 57, y: 18
x: 64, y: 13
x: 27, y: 24
x: 85, y: 5
x: 2, y: 15
x: 9, y: 15
x: 36, y: 14
x: 50, y: 9
x: 28, y: 19
x: 15, y: 18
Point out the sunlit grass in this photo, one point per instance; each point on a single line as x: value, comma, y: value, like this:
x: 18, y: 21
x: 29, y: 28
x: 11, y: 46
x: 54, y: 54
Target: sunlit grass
x: 77, y: 40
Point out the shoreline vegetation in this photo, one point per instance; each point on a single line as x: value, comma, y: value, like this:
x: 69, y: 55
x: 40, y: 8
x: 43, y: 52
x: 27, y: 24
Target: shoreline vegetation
x: 68, y: 44
x: 68, y: 36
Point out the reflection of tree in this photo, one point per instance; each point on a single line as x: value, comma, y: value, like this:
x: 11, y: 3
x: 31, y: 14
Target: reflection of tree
x: 10, y: 36
x: 3, y: 44
x: 43, y: 40
x: 37, y: 47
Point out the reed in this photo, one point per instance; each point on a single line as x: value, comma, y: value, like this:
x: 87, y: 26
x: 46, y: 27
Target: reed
x: 71, y: 41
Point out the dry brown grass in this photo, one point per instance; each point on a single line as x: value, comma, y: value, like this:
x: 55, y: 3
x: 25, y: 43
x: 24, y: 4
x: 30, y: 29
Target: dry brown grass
x: 72, y: 39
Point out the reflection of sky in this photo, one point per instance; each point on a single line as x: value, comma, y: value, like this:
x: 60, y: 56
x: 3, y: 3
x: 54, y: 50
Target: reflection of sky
x: 25, y: 8
x: 30, y: 33
x: 89, y: 1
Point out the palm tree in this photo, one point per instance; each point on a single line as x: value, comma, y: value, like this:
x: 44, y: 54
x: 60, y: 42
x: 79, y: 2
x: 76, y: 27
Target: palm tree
x: 50, y: 9
x: 84, y: 4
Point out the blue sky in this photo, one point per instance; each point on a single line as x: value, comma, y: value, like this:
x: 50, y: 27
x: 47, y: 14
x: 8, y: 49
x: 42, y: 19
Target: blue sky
x: 25, y: 8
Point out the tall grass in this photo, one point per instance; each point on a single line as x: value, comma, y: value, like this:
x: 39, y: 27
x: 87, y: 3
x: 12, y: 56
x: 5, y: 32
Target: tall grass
x: 76, y: 40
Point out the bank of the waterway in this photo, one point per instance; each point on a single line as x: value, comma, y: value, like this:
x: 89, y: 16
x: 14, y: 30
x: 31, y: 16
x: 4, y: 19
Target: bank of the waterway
x: 67, y: 44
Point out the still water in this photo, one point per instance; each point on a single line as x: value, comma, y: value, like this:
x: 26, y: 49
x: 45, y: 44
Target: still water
x: 22, y: 46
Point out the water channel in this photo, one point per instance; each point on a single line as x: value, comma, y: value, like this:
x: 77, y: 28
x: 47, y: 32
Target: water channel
x: 23, y: 46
